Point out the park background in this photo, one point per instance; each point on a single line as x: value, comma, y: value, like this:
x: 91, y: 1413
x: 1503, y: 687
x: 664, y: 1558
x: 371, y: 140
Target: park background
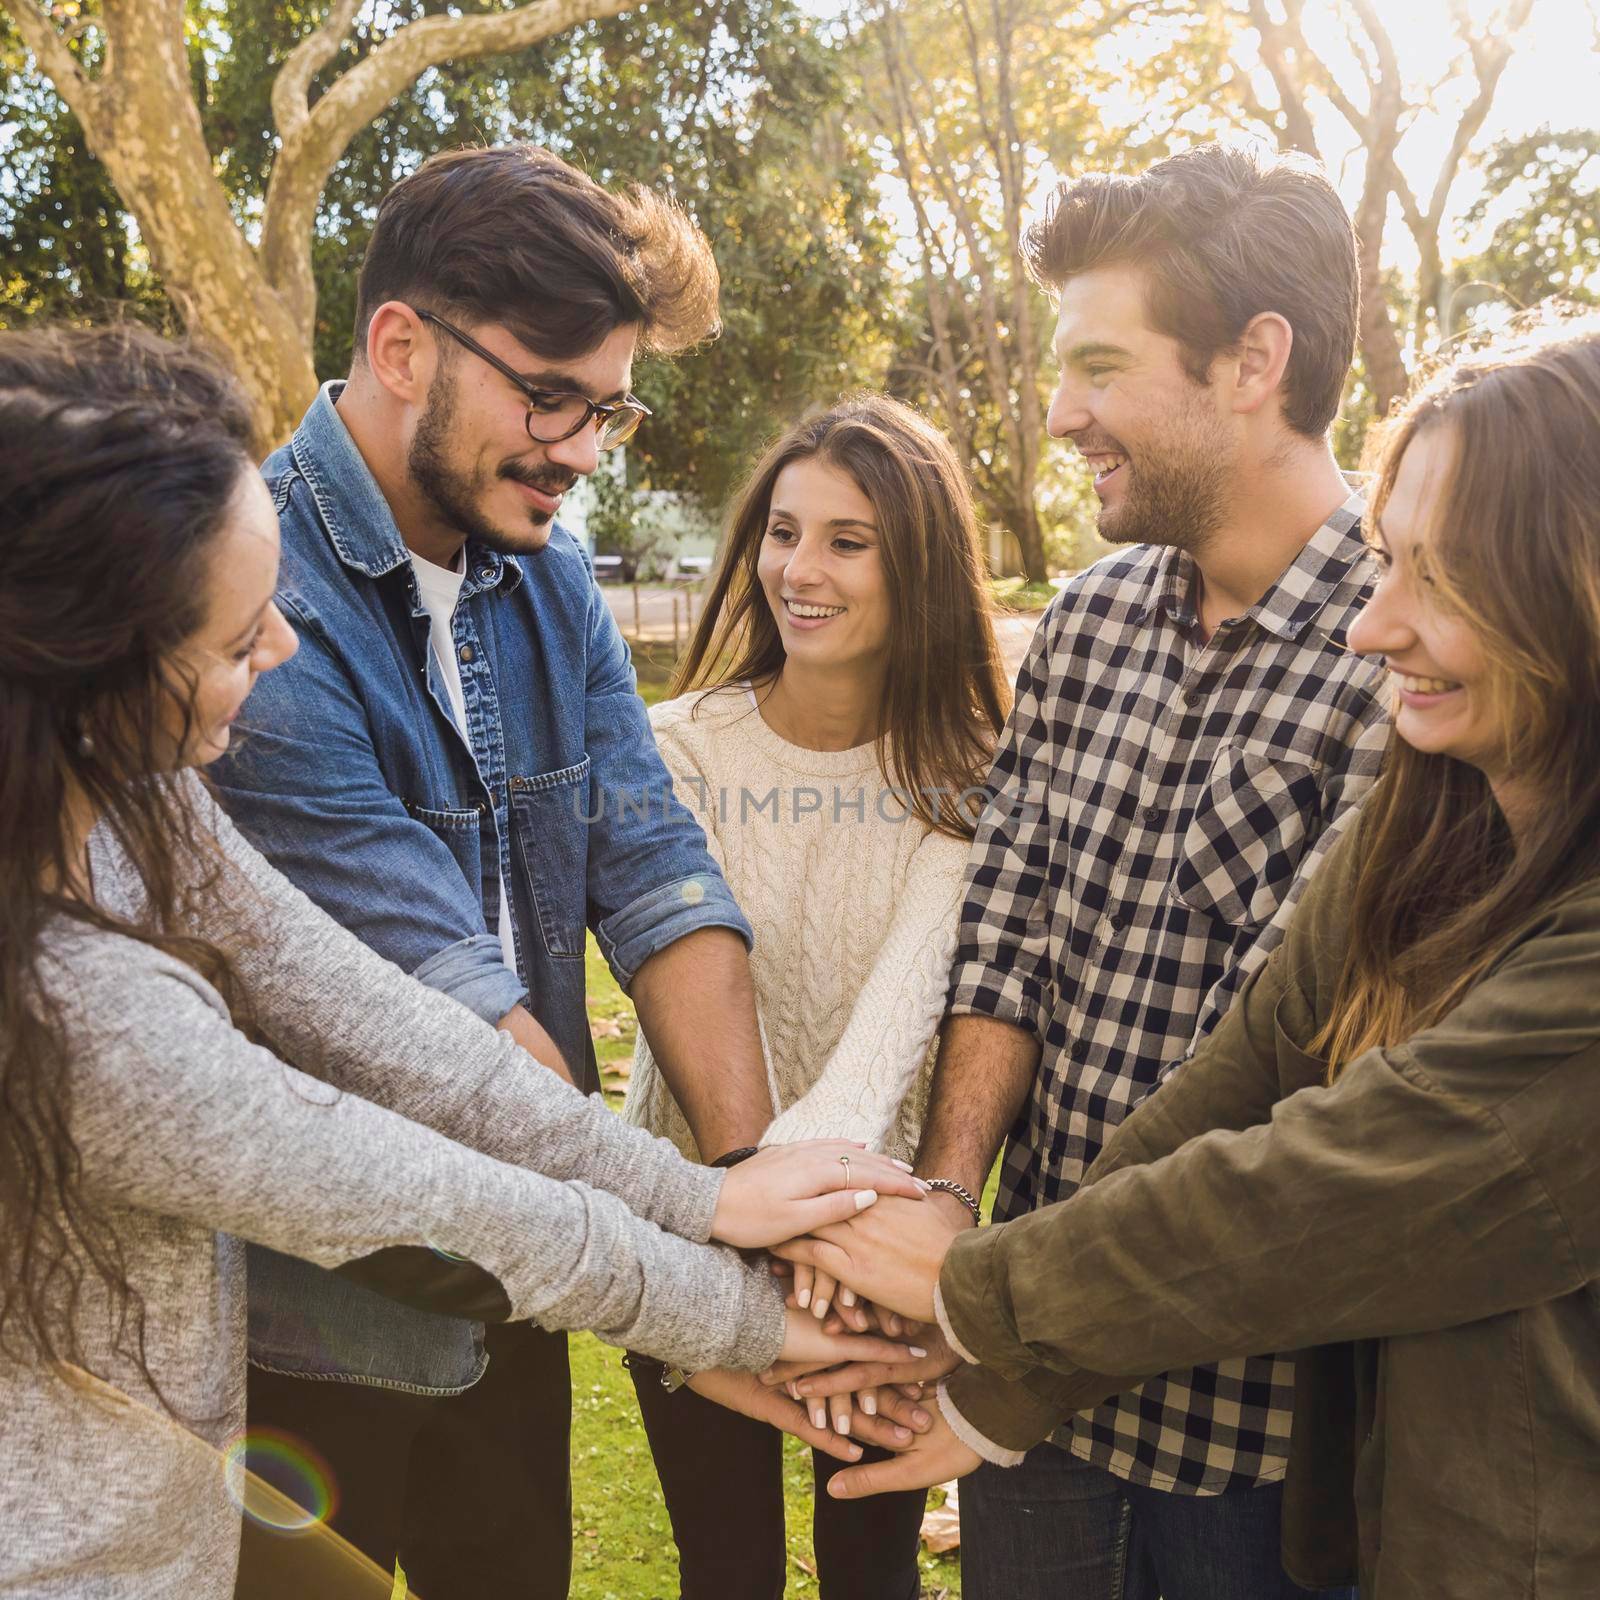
x: 864, y: 170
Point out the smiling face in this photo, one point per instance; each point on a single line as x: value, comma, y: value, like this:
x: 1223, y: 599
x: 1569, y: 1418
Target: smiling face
x: 1160, y: 445
x: 470, y: 459
x: 243, y: 634
x: 1443, y: 699
x: 821, y: 569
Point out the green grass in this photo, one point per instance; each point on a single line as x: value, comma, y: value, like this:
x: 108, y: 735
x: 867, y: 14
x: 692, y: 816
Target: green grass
x: 1018, y: 594
x: 622, y: 1540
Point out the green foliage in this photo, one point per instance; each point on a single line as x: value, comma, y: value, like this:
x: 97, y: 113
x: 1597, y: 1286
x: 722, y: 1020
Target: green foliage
x: 66, y: 249
x: 732, y: 105
x: 778, y: 131
x: 1542, y: 197
x: 615, y: 526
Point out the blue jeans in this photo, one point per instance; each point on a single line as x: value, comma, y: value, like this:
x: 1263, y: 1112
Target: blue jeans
x: 1056, y: 1528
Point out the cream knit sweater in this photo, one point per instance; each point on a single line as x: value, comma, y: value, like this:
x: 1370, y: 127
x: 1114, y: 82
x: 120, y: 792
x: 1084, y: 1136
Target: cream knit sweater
x: 854, y: 904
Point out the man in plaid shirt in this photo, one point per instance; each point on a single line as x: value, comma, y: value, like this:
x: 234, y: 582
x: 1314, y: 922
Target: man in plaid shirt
x: 1190, y: 734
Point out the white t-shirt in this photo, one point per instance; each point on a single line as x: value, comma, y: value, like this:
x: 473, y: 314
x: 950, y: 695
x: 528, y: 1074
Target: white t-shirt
x: 440, y: 588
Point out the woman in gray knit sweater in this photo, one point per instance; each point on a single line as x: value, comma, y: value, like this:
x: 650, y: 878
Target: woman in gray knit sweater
x: 192, y: 1054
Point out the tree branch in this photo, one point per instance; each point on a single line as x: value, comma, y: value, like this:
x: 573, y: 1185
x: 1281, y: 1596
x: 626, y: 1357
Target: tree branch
x: 1277, y: 39
x: 314, y: 141
x: 360, y: 94
x: 1388, y: 62
x: 291, y: 89
x: 1490, y: 57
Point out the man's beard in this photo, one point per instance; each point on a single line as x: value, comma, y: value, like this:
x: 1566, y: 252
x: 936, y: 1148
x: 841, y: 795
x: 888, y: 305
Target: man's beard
x: 1177, y: 492
x: 454, y: 495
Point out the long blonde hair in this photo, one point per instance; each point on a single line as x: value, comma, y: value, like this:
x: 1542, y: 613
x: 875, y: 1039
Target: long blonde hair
x: 946, y: 695
x: 1515, y: 552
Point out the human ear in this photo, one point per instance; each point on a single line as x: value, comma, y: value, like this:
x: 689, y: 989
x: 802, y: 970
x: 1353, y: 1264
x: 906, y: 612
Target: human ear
x: 399, y: 354
x: 1262, y: 360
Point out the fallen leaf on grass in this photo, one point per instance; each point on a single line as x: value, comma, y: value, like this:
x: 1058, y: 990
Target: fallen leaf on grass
x: 941, y: 1525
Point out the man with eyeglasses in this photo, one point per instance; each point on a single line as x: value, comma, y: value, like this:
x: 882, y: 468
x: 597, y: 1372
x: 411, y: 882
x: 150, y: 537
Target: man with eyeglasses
x: 447, y: 767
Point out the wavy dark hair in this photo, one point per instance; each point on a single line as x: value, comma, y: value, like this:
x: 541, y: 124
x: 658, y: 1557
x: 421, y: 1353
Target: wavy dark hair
x: 122, y: 455
x: 1444, y: 888
x: 947, y: 694
x: 512, y: 234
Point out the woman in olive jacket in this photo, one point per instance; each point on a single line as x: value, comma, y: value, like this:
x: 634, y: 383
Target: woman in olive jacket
x: 1387, y: 1156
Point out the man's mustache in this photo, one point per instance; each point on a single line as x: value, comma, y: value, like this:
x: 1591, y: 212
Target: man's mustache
x: 545, y: 480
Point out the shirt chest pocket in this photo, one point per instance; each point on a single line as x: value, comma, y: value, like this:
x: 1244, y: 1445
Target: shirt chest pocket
x: 1247, y: 837
x: 461, y: 832
x: 549, y: 832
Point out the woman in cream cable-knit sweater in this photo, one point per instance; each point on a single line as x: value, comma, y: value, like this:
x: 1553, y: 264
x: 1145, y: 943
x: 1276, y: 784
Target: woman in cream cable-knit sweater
x: 853, y: 692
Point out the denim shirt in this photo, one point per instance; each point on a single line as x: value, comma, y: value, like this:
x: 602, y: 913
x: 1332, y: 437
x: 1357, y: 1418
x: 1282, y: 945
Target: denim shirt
x: 349, y: 773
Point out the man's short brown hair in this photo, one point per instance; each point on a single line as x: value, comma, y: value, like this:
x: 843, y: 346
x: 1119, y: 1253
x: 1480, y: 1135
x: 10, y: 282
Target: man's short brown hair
x: 513, y: 235
x: 1224, y: 234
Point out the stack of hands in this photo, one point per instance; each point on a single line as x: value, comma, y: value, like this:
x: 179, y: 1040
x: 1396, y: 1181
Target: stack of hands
x: 860, y: 1242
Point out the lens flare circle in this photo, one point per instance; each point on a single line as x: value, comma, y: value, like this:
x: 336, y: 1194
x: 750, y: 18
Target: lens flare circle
x: 278, y: 1481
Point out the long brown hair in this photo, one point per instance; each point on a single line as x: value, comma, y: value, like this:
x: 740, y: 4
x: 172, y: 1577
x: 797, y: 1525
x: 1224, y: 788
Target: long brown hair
x: 946, y: 696
x: 1515, y: 551
x: 122, y: 455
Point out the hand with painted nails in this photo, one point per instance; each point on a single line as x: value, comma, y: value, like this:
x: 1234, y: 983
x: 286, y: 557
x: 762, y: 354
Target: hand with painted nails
x: 813, y: 1291
x: 807, y: 1343
x: 891, y: 1254
x: 876, y: 1416
x: 933, y: 1457
x: 936, y: 1360
x: 791, y: 1189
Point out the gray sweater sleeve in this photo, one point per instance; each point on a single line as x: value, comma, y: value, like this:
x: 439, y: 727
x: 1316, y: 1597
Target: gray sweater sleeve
x: 174, y: 1111
x: 343, y: 1013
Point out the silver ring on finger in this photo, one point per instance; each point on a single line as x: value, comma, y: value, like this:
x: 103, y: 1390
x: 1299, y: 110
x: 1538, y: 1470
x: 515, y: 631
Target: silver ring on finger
x: 844, y: 1161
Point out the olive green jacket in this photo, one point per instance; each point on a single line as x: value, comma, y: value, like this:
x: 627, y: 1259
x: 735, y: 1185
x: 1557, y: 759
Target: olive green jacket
x: 1425, y: 1233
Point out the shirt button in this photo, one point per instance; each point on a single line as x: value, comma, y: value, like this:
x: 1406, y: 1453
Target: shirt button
x: 1117, y: 921
x: 465, y: 652
x: 1079, y: 1050
x: 481, y: 809
x: 1151, y: 814
x: 485, y: 574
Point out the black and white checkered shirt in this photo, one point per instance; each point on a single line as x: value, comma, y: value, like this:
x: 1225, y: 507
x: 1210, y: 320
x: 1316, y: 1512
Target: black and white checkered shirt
x: 1163, y: 800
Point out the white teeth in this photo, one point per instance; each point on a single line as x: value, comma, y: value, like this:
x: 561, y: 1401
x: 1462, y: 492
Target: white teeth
x: 1104, y: 465
x: 1425, y: 685
x: 798, y: 610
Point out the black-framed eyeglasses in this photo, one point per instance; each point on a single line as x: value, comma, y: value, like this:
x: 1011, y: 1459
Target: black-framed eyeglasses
x: 557, y: 414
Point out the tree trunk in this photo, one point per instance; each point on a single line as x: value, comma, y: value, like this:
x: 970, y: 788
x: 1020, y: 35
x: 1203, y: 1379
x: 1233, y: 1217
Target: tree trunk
x: 1380, y: 344
x: 141, y: 120
x: 1021, y: 520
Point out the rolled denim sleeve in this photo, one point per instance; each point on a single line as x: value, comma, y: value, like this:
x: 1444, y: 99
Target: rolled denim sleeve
x: 473, y: 971
x: 651, y: 879
x: 305, y: 786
